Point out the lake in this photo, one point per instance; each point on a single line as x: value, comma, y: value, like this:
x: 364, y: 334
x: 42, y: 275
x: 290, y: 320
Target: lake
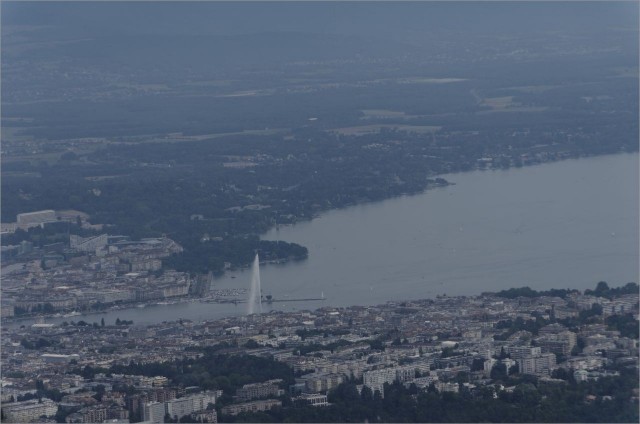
x: 566, y: 224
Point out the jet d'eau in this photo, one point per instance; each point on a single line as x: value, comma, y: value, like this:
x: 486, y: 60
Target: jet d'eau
x: 255, y: 299
x: 255, y: 293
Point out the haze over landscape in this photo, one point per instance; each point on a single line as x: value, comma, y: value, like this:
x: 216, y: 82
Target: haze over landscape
x: 320, y: 212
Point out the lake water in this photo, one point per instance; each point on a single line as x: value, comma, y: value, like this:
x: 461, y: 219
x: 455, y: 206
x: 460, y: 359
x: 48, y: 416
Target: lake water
x: 566, y: 224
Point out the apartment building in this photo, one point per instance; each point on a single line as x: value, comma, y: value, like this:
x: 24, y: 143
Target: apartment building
x: 259, y: 390
x: 255, y: 406
x: 31, y: 410
x: 537, y: 365
x: 375, y: 379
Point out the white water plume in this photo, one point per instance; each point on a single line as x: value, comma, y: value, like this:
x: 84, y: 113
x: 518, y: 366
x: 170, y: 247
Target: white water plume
x: 255, y: 293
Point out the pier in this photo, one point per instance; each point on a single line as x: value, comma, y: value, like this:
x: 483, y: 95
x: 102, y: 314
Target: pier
x: 310, y: 299
x: 268, y: 301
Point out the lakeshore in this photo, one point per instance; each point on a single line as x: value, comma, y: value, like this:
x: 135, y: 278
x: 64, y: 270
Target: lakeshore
x: 539, y: 226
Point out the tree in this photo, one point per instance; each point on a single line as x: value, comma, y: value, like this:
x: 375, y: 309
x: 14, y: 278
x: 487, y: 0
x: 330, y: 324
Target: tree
x: 366, y: 394
x: 100, y: 390
x: 376, y: 344
x: 462, y: 377
x: 499, y: 371
x: 625, y: 323
x: 602, y: 287
x: 477, y: 364
x: 514, y: 369
x: 503, y: 353
x: 251, y: 344
x: 562, y: 374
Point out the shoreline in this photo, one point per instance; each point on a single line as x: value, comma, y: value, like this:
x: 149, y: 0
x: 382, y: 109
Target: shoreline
x: 186, y: 300
x: 400, y: 303
x: 449, y: 183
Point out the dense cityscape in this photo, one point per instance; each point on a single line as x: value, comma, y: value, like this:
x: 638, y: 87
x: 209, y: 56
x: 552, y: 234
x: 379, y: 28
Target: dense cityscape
x: 86, y: 372
x: 287, y: 364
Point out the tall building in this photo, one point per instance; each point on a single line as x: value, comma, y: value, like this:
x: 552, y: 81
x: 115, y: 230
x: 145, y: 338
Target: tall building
x: 537, y: 365
x: 153, y: 412
x: 178, y: 408
x: 519, y: 352
x: 175, y: 407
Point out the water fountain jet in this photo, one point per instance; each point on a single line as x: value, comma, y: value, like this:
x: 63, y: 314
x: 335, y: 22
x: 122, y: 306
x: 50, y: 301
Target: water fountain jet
x: 255, y: 293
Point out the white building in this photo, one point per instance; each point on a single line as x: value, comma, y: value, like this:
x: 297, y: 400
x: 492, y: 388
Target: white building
x: 28, y: 411
x: 314, y: 399
x: 32, y: 219
x: 58, y: 358
x: 518, y: 352
x: 153, y: 412
x: 88, y: 244
x: 255, y: 406
x: 375, y: 379
x: 537, y: 365
x: 202, y: 400
x: 179, y: 407
x: 442, y: 387
x: 425, y: 381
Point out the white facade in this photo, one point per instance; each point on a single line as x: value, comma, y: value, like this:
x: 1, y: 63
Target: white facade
x: 441, y: 386
x: 375, y: 379
x: 179, y: 407
x: 31, y: 410
x: 153, y: 412
x: 314, y: 399
x: 35, y: 218
x: 537, y: 365
x: 518, y: 352
x: 88, y: 244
